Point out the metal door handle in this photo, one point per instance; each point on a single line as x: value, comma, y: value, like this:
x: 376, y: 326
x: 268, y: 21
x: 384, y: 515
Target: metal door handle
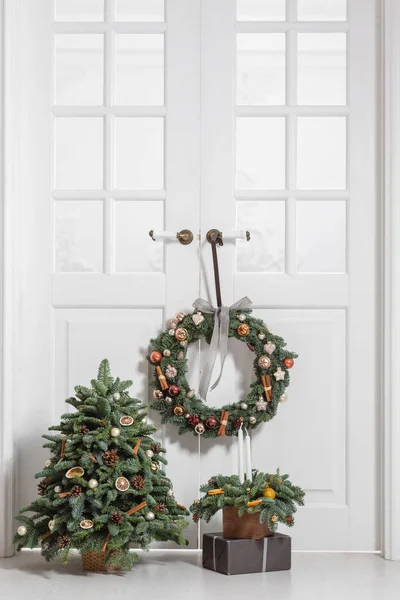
x: 185, y: 236
x: 234, y: 235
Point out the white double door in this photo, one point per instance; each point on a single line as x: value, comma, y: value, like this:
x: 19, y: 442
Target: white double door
x: 259, y: 117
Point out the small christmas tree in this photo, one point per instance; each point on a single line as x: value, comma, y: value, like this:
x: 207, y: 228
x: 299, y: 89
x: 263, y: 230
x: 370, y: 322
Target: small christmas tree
x: 104, y: 486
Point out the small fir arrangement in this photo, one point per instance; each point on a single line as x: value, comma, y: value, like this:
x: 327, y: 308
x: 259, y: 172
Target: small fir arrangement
x: 272, y: 496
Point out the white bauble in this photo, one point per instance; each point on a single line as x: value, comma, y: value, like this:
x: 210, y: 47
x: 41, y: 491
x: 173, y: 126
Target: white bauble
x: 51, y: 524
x: 117, y: 396
x: 172, y: 332
x: 149, y: 453
x: 115, y: 431
x: 167, y: 352
x: 150, y: 516
x: 93, y: 483
x: 170, y: 492
x: 191, y: 394
x: 47, y: 464
x: 243, y: 406
x: 58, y: 489
x: 21, y: 530
x: 242, y: 318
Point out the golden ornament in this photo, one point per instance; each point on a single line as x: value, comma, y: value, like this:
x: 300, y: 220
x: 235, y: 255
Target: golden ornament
x: 269, y: 493
x: 122, y: 484
x: 248, y: 490
x: 74, y: 472
x: 179, y: 411
x: 274, y: 518
x: 243, y: 329
x: 181, y: 334
x: 197, y: 502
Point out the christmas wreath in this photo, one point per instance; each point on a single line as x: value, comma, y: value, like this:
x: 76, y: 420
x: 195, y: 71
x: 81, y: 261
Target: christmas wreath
x: 180, y: 405
x: 274, y: 497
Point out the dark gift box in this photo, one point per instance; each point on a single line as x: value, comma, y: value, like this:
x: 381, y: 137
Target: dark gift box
x: 238, y: 556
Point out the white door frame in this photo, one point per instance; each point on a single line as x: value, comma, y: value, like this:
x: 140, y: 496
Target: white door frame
x: 390, y: 267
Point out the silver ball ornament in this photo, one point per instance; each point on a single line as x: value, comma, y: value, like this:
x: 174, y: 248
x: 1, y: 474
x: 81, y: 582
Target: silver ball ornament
x: 261, y: 336
x: 47, y: 464
x: 199, y: 429
x: 149, y: 453
x: 167, y: 352
x: 191, y: 394
x: 58, y: 489
x: 51, y: 524
x: 172, y: 332
x: 150, y: 516
x: 115, y: 431
x: 93, y: 483
x: 183, y: 343
x: 154, y: 466
x: 21, y: 530
x: 242, y: 318
x: 168, y: 400
x: 252, y: 420
x: 243, y: 406
x: 283, y: 398
x: 170, y: 492
x: 117, y: 396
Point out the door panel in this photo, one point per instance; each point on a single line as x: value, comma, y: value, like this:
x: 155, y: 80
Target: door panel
x: 296, y: 163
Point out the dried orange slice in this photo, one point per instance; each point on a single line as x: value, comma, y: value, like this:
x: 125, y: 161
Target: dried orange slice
x: 86, y: 524
x: 126, y: 420
x: 74, y: 472
x: 122, y: 484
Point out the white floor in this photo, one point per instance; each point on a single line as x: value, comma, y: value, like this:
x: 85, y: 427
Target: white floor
x: 179, y: 575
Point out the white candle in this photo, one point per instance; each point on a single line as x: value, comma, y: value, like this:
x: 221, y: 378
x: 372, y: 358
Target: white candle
x: 241, y: 455
x: 249, y: 472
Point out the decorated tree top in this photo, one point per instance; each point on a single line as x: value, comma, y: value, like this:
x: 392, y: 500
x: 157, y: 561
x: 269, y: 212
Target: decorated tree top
x: 104, y: 486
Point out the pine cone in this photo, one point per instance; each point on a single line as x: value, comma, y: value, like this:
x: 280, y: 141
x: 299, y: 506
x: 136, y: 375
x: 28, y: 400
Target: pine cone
x: 42, y: 487
x: 83, y: 429
x: 155, y: 447
x: 138, y: 482
x: 110, y: 458
x: 117, y: 518
x: 160, y: 508
x: 212, y: 481
x: 64, y: 541
x: 76, y: 491
x: 196, y: 518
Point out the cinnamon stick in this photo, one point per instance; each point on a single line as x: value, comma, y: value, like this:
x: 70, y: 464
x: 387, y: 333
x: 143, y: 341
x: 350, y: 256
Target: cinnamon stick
x: 266, y: 381
x: 181, y: 506
x: 162, y: 379
x: 64, y: 494
x: 136, y: 508
x: 63, y: 442
x: 136, y: 448
x: 92, y: 458
x: 46, y: 535
x: 106, y: 542
x: 223, y: 422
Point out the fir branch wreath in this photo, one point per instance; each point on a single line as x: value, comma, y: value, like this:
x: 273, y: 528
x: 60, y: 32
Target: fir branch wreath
x: 180, y: 405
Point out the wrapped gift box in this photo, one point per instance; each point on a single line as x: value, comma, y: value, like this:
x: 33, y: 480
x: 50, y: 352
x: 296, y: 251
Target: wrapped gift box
x: 238, y: 556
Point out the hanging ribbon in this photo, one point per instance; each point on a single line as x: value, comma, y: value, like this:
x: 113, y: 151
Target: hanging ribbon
x: 219, y: 340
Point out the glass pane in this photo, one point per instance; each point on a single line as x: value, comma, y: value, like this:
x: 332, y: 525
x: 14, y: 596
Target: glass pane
x: 321, y: 68
x: 321, y: 10
x: 260, y: 10
x: 79, y: 68
x: 133, y: 221
x: 260, y: 68
x: 321, y: 153
x: 79, y: 10
x: 139, y: 10
x: 321, y: 236
x: 260, y: 153
x: 79, y: 236
x: 139, y: 64
x: 265, y: 220
x: 139, y: 155
x: 79, y: 152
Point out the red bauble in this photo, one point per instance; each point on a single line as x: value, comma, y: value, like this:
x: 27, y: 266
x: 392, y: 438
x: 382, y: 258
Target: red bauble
x: 174, y: 390
x: 237, y: 423
x: 250, y: 347
x: 211, y: 422
x: 288, y: 362
x: 155, y: 356
x: 193, y: 420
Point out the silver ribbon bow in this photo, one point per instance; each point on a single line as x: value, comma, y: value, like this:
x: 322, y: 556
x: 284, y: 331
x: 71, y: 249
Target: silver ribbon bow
x: 219, y: 340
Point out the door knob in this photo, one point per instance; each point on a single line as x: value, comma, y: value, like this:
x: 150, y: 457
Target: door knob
x: 234, y: 235
x: 185, y: 236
